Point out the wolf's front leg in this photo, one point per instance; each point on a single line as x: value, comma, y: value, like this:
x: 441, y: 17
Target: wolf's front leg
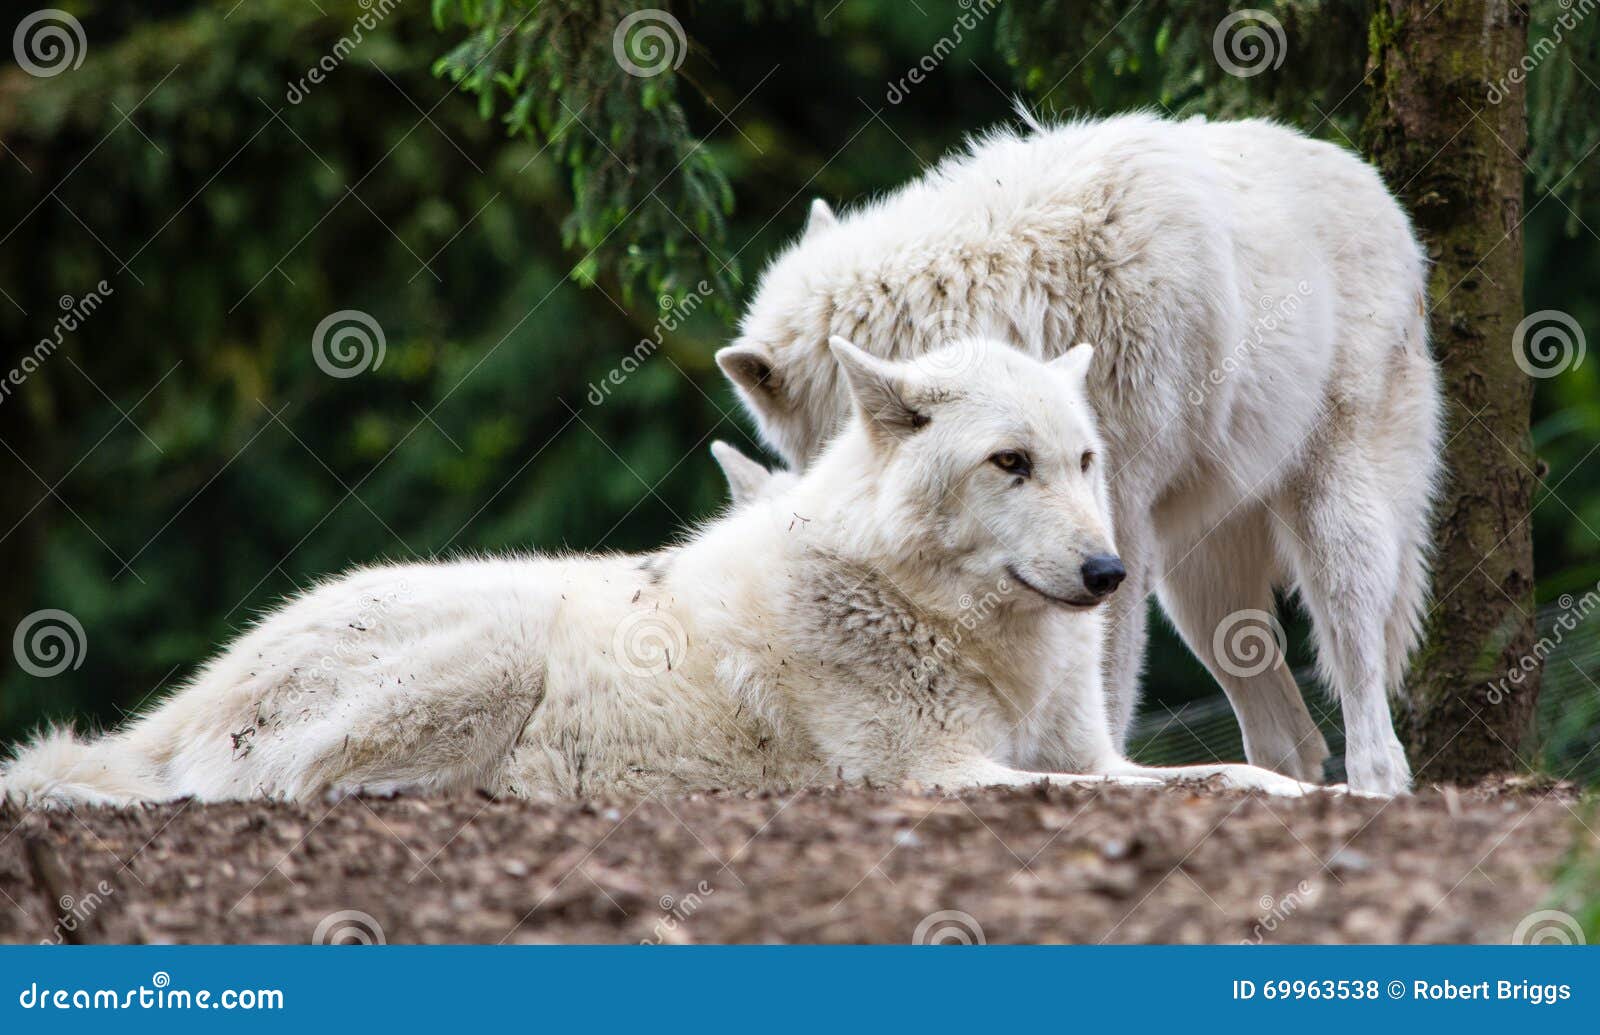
x: 985, y: 772
x: 1233, y: 775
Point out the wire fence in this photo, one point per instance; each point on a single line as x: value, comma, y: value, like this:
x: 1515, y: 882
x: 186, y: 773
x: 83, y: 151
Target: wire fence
x: 1565, y: 741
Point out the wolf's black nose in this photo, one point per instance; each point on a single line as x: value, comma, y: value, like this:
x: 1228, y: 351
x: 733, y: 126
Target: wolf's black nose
x: 1103, y: 573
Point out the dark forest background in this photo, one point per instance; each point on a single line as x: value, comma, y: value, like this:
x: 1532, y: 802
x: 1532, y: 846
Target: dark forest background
x: 181, y: 461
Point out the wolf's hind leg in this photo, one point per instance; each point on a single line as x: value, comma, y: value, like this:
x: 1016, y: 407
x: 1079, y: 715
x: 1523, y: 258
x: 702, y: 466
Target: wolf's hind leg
x: 1219, y: 597
x: 439, y: 739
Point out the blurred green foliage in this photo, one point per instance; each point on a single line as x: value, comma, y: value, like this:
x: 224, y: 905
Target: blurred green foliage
x: 516, y: 210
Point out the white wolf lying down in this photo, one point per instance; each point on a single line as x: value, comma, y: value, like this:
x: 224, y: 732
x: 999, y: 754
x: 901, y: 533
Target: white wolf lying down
x: 1262, y: 379
x: 917, y: 605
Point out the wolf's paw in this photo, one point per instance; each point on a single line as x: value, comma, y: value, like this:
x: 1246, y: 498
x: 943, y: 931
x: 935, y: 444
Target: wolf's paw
x: 1384, y: 771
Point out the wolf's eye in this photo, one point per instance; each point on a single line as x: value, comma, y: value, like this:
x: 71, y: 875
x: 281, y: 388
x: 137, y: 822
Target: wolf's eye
x: 1012, y: 462
x: 1087, y: 461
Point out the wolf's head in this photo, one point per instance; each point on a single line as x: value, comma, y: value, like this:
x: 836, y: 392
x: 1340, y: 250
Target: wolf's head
x: 979, y: 459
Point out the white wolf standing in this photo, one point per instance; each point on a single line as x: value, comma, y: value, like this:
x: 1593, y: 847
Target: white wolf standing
x: 917, y: 605
x: 1262, y: 377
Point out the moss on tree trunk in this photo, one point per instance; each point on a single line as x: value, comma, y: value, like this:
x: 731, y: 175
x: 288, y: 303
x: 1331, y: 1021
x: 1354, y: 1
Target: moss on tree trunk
x: 1454, y: 148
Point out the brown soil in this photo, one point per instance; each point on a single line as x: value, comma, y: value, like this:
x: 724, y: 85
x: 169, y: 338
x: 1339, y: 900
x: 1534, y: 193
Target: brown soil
x: 829, y: 865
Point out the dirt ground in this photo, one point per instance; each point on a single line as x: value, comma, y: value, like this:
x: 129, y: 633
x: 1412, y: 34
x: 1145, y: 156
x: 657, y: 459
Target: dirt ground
x: 829, y: 865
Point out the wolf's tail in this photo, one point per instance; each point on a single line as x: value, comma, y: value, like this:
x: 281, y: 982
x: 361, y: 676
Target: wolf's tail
x: 59, y: 770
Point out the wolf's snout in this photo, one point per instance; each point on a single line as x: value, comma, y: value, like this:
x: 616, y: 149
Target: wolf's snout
x: 1103, y: 573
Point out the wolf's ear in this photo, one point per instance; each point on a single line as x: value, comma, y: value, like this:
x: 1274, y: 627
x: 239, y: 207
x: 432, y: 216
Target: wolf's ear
x: 746, y: 478
x: 819, y: 218
x: 882, y: 391
x: 1075, y: 361
x: 751, y: 369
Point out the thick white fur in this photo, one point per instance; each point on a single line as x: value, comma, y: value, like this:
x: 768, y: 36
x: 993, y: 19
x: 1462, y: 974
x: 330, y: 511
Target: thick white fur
x: 861, y: 621
x: 1262, y: 378
x: 747, y: 478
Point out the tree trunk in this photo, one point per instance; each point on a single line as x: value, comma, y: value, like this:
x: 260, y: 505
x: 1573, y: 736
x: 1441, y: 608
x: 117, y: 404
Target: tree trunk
x: 1461, y: 176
